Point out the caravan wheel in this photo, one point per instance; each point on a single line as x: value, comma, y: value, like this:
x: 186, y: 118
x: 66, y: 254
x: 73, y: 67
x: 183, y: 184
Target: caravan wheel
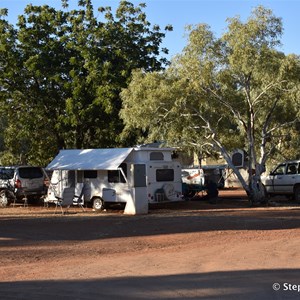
x: 98, y: 204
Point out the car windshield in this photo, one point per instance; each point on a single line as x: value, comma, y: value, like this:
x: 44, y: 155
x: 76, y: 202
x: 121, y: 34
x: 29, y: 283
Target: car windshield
x: 31, y: 173
x: 6, y: 173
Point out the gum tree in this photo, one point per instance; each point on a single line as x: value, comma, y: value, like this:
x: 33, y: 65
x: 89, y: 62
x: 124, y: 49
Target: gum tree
x: 222, y: 93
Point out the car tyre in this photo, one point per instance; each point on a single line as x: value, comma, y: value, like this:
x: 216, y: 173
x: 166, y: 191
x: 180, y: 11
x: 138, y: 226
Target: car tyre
x: 98, y: 204
x: 4, y: 201
x: 297, y: 194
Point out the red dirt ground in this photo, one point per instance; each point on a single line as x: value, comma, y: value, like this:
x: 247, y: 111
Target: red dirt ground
x: 186, y: 250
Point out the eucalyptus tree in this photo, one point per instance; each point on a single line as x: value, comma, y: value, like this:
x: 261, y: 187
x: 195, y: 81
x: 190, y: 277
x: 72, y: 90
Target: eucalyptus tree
x: 236, y: 91
x: 64, y: 70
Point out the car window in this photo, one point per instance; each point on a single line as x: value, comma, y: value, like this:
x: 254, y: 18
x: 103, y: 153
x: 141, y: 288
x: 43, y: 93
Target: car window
x: 292, y: 168
x: 31, y: 172
x: 6, y: 173
x: 280, y: 170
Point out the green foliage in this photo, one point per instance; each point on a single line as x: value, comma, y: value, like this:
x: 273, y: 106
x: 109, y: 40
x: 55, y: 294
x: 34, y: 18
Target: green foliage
x: 62, y: 72
x: 236, y: 91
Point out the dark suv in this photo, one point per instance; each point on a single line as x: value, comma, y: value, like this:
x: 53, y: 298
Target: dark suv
x: 21, y: 182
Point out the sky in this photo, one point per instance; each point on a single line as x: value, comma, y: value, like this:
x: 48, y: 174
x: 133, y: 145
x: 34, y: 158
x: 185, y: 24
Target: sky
x: 180, y: 13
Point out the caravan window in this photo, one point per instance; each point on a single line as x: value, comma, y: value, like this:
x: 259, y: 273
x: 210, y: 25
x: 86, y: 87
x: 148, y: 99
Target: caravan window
x: 164, y: 175
x: 90, y: 174
x: 86, y: 174
x: 156, y: 156
x: 116, y: 176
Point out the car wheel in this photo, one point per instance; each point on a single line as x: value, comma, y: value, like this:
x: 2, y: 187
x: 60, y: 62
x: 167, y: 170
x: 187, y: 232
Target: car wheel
x: 3, y: 199
x: 297, y: 194
x: 98, y: 204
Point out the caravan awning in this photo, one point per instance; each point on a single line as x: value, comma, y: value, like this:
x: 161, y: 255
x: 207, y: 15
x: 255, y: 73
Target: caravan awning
x: 89, y: 159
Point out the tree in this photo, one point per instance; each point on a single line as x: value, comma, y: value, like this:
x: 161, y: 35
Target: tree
x: 107, y: 53
x: 222, y: 93
x: 63, y: 72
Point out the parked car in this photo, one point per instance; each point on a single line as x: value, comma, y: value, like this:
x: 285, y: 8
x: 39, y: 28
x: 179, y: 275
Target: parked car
x: 284, y: 180
x: 21, y: 182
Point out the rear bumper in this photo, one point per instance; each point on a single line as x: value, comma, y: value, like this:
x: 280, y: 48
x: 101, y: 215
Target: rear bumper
x: 21, y: 193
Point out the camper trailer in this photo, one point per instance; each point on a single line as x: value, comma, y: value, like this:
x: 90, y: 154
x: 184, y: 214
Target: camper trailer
x: 192, y: 181
x: 135, y: 176
x: 195, y: 179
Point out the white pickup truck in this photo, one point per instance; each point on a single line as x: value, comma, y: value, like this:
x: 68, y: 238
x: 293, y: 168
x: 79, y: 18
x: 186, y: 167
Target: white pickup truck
x: 284, y: 180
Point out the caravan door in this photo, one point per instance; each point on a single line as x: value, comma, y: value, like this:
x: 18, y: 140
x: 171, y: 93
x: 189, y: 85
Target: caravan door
x: 137, y: 201
x: 139, y: 175
x: 116, y: 185
x: 60, y: 180
x: 84, y: 181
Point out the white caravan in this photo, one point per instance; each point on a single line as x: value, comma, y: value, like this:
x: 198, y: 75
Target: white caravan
x: 135, y: 176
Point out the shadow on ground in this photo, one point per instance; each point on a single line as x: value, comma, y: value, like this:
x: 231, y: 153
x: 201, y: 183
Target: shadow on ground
x: 251, y: 284
x: 16, y: 230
